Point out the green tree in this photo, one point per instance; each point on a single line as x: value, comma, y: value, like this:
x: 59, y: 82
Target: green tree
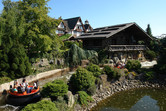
x: 148, y: 30
x: 161, y: 62
x: 14, y: 62
x: 76, y: 54
x: 150, y: 54
x: 40, y: 29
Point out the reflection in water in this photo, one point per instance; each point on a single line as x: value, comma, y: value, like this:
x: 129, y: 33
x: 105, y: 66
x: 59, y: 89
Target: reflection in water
x: 146, y: 104
x: 135, y: 100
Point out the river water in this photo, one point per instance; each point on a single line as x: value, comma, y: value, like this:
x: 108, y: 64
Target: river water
x: 134, y: 100
x: 7, y: 107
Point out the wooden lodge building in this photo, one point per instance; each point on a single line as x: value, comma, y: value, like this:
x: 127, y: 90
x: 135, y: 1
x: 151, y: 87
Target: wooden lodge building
x: 73, y: 26
x: 119, y: 40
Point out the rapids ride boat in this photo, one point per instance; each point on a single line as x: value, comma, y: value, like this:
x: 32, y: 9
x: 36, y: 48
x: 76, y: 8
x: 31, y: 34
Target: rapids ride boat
x: 21, y: 99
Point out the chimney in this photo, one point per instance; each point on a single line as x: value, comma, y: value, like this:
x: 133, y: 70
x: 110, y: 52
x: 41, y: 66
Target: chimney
x: 86, y: 22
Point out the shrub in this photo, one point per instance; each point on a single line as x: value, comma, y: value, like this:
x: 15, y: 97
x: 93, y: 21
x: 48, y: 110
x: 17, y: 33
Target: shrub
x: 54, y: 89
x: 84, y: 98
x: 149, y: 75
x: 150, y: 54
x: 116, y: 73
x: 108, y: 70
x: 103, y: 55
x: 95, y: 69
x: 82, y: 80
x: 160, y: 68
x: 133, y: 65
x: 43, y: 105
x: 4, y: 80
x: 112, y: 72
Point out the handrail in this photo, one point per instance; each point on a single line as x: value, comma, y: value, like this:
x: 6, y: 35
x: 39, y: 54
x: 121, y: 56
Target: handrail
x: 126, y: 47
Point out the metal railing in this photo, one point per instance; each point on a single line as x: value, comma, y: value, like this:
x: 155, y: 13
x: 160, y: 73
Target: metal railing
x: 126, y: 47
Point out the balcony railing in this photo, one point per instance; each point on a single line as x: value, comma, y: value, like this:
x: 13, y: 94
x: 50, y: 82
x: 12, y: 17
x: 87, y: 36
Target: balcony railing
x: 113, y: 48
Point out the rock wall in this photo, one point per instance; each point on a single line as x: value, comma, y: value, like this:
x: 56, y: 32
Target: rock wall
x: 32, y: 78
x: 118, y: 86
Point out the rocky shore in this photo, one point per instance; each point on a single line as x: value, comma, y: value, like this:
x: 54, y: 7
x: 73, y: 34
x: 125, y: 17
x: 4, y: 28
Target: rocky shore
x: 112, y: 88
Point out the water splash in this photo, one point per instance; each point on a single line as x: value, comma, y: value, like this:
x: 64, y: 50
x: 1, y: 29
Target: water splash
x: 8, y: 107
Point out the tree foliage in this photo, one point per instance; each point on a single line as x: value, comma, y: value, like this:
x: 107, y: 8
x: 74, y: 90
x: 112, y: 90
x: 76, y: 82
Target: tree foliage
x: 39, y: 27
x: 4, y: 80
x: 76, y: 54
x: 14, y: 62
x: 150, y: 54
x: 26, y: 29
x: 148, y: 30
x: 161, y: 62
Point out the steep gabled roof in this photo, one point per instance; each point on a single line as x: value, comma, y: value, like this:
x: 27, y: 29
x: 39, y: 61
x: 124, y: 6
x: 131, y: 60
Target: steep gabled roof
x: 108, y: 31
x: 66, y: 25
x: 71, y: 22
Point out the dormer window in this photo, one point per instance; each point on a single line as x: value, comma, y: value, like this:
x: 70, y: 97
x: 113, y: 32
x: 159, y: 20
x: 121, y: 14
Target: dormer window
x: 61, y: 25
x: 80, y: 27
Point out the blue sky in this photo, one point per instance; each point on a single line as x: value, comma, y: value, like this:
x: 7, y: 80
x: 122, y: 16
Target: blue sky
x: 111, y: 12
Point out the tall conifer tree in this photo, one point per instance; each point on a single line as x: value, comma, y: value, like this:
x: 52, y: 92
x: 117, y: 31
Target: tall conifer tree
x: 14, y: 62
x: 148, y: 30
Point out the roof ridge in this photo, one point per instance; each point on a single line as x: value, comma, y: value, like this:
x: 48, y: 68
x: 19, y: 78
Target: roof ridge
x: 115, y: 25
x: 72, y: 18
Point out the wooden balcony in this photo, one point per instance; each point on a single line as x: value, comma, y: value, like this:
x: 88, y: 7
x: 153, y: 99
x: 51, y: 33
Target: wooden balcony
x: 114, y: 48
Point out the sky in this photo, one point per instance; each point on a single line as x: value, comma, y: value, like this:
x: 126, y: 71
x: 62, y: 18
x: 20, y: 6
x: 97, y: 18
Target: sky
x: 102, y: 13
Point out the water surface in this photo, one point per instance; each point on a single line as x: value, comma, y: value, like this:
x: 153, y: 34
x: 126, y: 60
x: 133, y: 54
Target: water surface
x: 135, y: 100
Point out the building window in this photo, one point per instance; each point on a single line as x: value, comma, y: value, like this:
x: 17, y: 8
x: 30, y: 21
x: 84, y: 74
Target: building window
x: 79, y: 27
x: 61, y: 25
x: 60, y: 32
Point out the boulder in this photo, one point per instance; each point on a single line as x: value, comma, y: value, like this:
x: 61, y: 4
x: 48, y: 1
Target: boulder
x: 71, y: 99
x: 48, y: 99
x: 84, y: 62
x: 44, y: 62
x: 77, y: 107
x: 111, y: 61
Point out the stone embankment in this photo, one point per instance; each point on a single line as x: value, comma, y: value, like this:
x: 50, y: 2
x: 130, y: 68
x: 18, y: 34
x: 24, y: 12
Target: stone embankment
x: 32, y: 78
x: 118, y: 86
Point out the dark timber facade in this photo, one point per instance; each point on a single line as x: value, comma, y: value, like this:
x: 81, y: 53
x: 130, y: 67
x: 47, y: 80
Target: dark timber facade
x: 122, y: 40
